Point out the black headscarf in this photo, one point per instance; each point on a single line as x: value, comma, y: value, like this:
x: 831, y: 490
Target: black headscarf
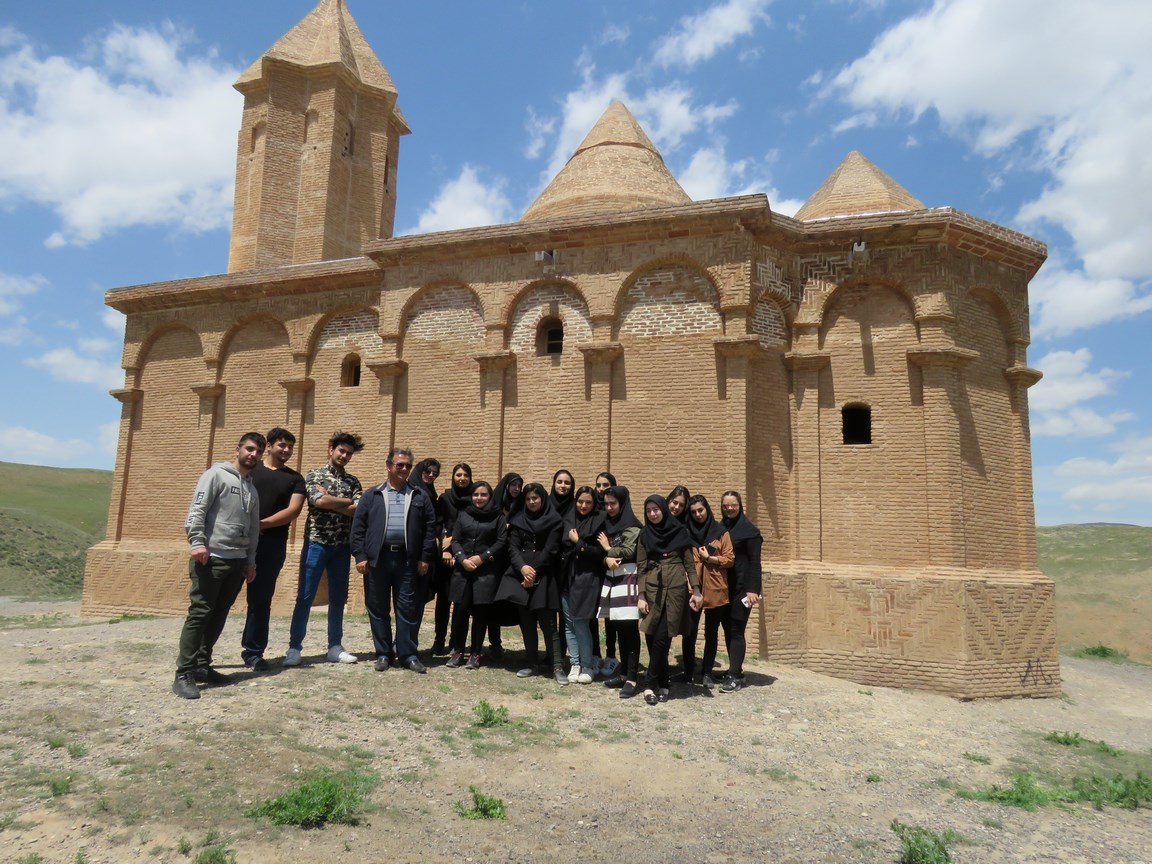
x: 456, y: 497
x: 667, y: 536
x: 544, y: 519
x: 710, y: 531
x: 562, y: 504
x: 739, y: 528
x: 489, y: 511
x: 587, y: 527
x: 508, y: 504
x: 626, y: 518
x: 599, y: 494
x: 680, y: 491
x: 417, y: 480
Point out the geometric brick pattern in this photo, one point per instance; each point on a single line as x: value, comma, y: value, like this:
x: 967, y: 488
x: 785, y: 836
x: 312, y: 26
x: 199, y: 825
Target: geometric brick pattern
x: 673, y: 301
x: 768, y: 323
x: 549, y: 301
x: 357, y: 331
x: 443, y: 314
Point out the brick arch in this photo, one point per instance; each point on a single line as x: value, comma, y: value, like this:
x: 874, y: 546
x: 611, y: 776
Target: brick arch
x: 814, y: 309
x: 770, y: 320
x: 255, y: 354
x: 1013, y: 330
x: 149, y: 341
x: 543, y: 299
x: 248, y: 321
x: 856, y: 291
x: 355, y: 328
x: 669, y: 296
x: 443, y: 311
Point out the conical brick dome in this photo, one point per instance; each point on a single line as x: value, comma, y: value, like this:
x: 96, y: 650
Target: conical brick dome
x: 856, y: 187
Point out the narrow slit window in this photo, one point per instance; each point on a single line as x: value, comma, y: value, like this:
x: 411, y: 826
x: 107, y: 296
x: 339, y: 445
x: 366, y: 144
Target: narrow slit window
x: 856, y: 423
x: 550, y: 337
x: 350, y: 371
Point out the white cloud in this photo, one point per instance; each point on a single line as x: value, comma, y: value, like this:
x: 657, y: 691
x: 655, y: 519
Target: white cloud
x: 615, y: 34
x: 137, y: 133
x: 539, y: 128
x: 1056, y: 401
x: 1106, y: 485
x: 466, y: 202
x: 1077, y: 91
x: 65, y: 364
x: 29, y: 447
x: 699, y: 37
x: 114, y: 320
x: 107, y: 437
x: 16, y: 333
x: 1064, y: 301
x: 12, y: 287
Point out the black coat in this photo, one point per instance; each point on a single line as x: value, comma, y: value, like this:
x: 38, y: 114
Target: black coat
x: 489, y: 540
x: 541, y: 551
x: 745, y: 574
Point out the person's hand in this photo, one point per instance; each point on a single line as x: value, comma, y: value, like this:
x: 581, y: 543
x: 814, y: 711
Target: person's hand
x: 695, y: 602
x: 447, y: 558
x: 528, y: 572
x: 361, y: 567
x: 612, y: 563
x: 249, y: 573
x: 471, y: 563
x: 422, y: 568
x: 753, y: 599
x: 200, y: 555
x: 602, y: 539
x: 642, y: 606
x: 702, y: 551
x: 573, y: 535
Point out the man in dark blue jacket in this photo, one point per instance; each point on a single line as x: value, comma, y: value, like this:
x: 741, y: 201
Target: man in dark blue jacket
x: 394, y: 544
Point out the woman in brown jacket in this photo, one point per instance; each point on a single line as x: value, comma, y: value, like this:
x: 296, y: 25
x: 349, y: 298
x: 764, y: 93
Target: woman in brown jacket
x: 713, y: 555
x: 668, y: 586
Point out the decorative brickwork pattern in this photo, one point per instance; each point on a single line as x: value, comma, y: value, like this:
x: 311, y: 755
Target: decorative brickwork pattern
x: 768, y: 323
x: 446, y: 315
x: 549, y: 301
x: 356, y: 331
x: 674, y: 301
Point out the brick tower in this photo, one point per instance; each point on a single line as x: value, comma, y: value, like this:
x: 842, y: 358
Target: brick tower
x: 318, y: 147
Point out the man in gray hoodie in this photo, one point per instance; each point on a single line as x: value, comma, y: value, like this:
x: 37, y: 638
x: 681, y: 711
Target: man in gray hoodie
x: 223, y: 528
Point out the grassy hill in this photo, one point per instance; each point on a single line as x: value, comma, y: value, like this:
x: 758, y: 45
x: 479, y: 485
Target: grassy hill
x: 48, y: 519
x: 1103, y: 573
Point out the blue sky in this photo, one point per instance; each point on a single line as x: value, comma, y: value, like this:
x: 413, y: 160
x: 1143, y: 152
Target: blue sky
x: 117, y: 145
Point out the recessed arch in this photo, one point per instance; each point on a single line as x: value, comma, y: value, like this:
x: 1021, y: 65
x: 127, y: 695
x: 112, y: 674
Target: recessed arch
x: 362, y: 334
x: 668, y: 297
x: 554, y: 300
x: 443, y: 311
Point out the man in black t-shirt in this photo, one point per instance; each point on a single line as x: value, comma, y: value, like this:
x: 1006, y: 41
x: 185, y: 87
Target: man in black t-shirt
x: 281, y: 493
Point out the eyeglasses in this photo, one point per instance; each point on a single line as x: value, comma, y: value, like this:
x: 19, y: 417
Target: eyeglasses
x: 402, y: 466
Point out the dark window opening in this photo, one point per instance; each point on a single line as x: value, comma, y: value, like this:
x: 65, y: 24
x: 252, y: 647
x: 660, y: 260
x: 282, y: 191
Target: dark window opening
x: 550, y: 337
x: 350, y: 371
x: 857, y: 424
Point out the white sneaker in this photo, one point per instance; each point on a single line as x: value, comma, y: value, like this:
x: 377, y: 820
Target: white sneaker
x: 574, y: 675
x: 585, y: 676
x: 608, y: 667
x: 337, y: 654
x: 292, y: 658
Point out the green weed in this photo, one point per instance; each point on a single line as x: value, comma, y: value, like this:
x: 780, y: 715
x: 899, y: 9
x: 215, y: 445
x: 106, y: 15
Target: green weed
x: 81, y: 856
x: 77, y: 750
x: 55, y: 741
x: 978, y: 758
x: 184, y: 846
x: 871, y: 778
x: 60, y: 785
x: 215, y: 855
x: 483, y: 806
x: 920, y: 845
x: 324, y: 798
x: 1064, y: 739
x: 1026, y: 792
x: 487, y: 716
x: 1102, y: 652
x: 30, y: 859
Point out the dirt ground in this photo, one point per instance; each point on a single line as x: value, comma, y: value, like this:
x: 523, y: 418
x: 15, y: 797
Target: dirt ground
x: 99, y: 762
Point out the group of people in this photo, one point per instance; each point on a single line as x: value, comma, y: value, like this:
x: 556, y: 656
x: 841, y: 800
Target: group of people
x: 556, y: 561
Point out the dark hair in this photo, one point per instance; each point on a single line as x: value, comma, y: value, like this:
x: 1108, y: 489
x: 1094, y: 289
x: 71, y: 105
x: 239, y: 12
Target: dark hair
x: 609, y: 475
x: 399, y: 451
x: 347, y: 439
x: 479, y: 483
x: 463, y: 465
x: 571, y: 476
x: 584, y: 490
x: 255, y: 437
x: 678, y: 491
x: 735, y: 495
x: 432, y: 463
x: 697, y: 499
x: 277, y: 433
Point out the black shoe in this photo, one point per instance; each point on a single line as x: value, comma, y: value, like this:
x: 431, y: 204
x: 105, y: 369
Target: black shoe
x: 560, y: 676
x: 208, y: 675
x: 439, y: 649
x: 628, y: 690
x: 615, y: 681
x: 185, y: 687
x: 382, y: 664
x: 650, y: 697
x: 260, y: 665
x: 496, y: 652
x: 415, y: 665
x: 732, y: 684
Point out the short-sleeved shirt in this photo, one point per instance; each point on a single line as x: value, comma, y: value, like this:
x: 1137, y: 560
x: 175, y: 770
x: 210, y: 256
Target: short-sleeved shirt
x: 327, y: 526
x: 276, y: 489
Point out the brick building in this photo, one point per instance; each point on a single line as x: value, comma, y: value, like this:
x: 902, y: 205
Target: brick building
x: 858, y: 371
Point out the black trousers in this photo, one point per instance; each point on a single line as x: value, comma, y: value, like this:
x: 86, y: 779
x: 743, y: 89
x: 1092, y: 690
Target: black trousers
x: 659, y: 644
x: 546, y: 620
x: 270, y: 555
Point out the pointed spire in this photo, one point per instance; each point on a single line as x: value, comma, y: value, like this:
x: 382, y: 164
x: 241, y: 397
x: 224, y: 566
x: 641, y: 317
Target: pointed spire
x: 615, y: 168
x: 856, y: 187
x: 327, y: 36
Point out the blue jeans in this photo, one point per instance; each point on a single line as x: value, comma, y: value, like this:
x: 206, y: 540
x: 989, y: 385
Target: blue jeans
x: 270, y: 555
x: 315, y: 558
x: 394, y: 582
x: 578, y: 634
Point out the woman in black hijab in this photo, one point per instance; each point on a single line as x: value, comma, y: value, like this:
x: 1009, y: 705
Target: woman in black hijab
x: 508, y: 496
x: 678, y: 503
x: 745, y: 585
x: 532, y: 581
x: 562, y: 496
x: 605, y: 480
x: 666, y: 569
x: 620, y: 594
x: 713, y: 556
x: 424, y: 477
x: 583, y: 564
x: 509, y: 492
x: 456, y: 497
x: 478, y: 543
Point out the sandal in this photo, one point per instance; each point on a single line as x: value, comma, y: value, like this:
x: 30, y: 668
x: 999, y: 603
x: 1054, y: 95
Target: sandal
x: 650, y: 697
